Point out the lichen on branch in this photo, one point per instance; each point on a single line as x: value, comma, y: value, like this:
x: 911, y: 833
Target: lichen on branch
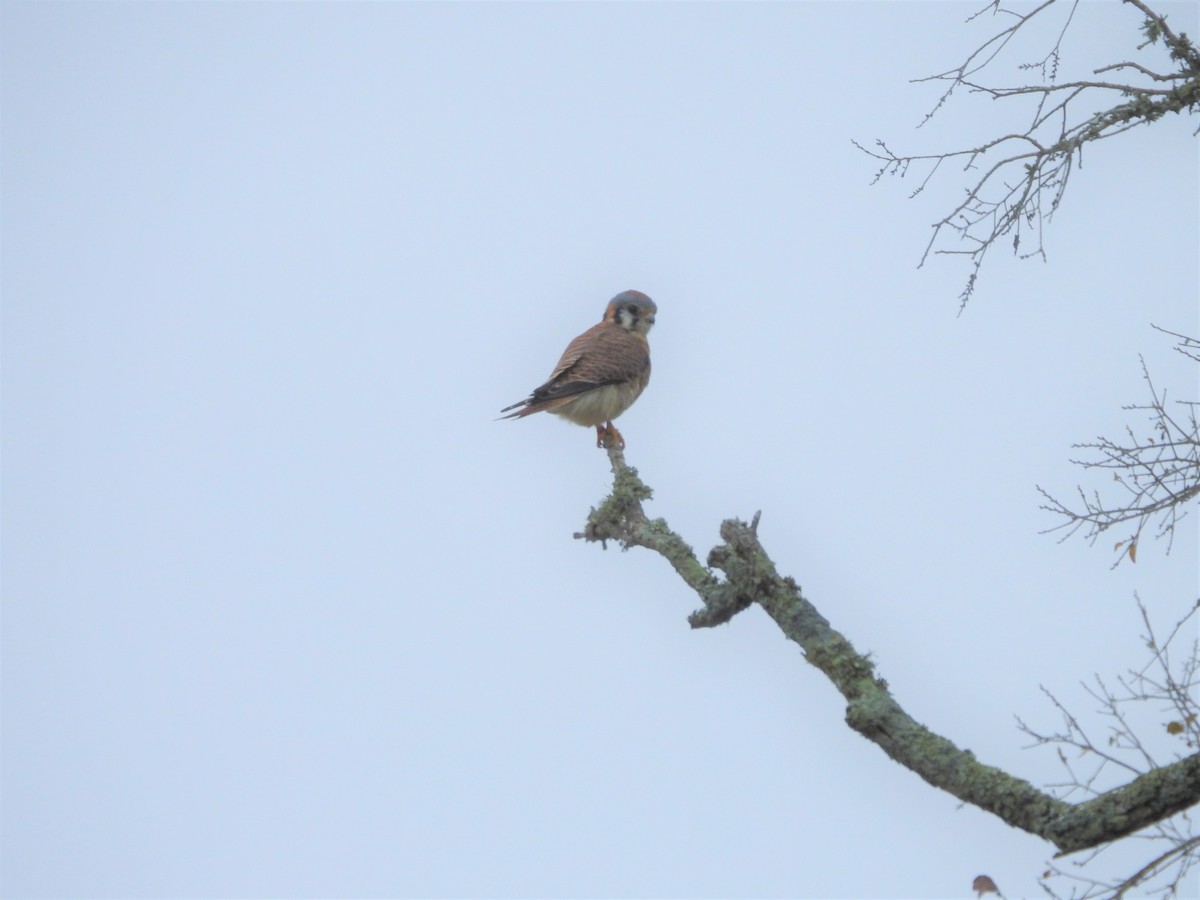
x: 750, y: 577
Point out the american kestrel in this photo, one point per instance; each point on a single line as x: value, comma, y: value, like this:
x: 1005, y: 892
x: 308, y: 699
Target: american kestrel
x: 601, y: 372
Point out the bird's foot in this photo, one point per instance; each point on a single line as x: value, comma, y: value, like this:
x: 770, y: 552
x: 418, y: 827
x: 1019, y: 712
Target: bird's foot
x: 607, y: 436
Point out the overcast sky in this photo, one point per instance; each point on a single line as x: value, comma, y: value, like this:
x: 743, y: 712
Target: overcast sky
x: 287, y: 613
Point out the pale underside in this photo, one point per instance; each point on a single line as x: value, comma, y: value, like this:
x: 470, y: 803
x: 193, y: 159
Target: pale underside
x: 600, y: 405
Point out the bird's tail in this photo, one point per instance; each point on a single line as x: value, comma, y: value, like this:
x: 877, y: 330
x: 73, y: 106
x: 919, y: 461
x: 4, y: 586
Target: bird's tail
x: 521, y: 407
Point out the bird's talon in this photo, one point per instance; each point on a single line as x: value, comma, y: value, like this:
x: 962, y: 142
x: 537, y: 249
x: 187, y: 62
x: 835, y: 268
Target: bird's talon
x: 608, y: 437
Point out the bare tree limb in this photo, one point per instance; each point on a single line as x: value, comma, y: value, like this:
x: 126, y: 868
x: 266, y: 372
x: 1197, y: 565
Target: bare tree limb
x: 1157, y: 474
x: 1163, y: 687
x: 1022, y: 189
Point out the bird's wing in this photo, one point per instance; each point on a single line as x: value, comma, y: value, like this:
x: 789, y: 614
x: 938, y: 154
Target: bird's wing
x: 604, y: 354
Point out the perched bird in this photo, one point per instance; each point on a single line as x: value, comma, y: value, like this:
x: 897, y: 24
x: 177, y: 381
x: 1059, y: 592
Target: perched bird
x: 601, y: 372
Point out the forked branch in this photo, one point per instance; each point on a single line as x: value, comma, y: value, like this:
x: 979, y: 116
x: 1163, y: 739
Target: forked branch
x: 1147, y: 710
x: 750, y: 577
x: 1155, y: 471
x: 1024, y: 174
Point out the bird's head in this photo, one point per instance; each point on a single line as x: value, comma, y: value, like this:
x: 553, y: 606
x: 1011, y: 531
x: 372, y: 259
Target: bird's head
x: 632, y: 310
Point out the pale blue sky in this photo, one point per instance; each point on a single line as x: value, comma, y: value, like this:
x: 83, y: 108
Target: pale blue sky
x: 286, y: 613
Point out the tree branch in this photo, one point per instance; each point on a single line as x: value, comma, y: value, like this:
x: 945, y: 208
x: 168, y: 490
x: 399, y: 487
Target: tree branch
x: 1017, y: 194
x: 750, y: 577
x: 1158, y: 473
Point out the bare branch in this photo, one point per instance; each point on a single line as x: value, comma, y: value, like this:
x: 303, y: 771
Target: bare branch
x: 1174, y: 76
x: 1183, y: 854
x: 1162, y: 688
x: 1157, y: 474
x: 1188, y: 346
x: 1020, y: 192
